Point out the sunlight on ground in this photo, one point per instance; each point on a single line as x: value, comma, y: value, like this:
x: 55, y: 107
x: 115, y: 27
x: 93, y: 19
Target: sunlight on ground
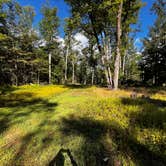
x: 41, y: 91
x: 39, y: 123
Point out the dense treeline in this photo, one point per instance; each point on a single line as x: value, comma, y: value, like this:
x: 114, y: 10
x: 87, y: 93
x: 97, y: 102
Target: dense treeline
x: 29, y: 55
x: 153, y: 64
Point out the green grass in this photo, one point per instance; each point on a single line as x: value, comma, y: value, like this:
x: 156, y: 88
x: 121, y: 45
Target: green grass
x: 41, y: 125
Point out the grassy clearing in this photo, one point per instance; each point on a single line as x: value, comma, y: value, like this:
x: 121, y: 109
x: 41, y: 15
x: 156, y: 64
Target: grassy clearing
x: 40, y: 125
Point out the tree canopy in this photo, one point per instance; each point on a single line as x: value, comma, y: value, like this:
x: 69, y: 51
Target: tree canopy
x: 109, y: 58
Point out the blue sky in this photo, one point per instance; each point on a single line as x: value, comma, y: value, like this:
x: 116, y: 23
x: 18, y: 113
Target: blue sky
x: 63, y: 10
x: 146, y: 17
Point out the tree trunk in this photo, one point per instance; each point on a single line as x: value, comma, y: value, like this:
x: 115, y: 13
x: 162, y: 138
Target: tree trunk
x: 85, y: 81
x: 117, y: 60
x: 105, y: 71
x: 92, y: 81
x: 108, y: 54
x: 73, y: 73
x: 38, y: 77
x: 16, y: 68
x: 49, y: 62
x: 66, y: 61
x: 124, y: 62
x: 110, y: 77
x: 16, y: 81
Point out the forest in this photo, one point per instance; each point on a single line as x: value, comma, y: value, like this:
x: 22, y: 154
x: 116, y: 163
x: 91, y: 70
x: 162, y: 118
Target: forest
x: 79, y: 90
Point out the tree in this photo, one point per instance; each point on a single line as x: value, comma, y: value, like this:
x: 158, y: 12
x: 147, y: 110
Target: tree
x: 68, y: 37
x: 49, y: 29
x: 90, y: 22
x: 97, y: 18
x: 118, y: 33
x: 153, y: 63
x: 131, y: 64
x: 18, y: 47
x: 3, y: 27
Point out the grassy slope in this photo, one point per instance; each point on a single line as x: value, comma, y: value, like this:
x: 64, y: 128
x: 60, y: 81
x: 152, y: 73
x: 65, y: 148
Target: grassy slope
x: 38, y: 124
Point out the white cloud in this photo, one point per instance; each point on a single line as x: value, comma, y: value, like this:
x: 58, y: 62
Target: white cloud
x: 82, y: 39
x: 61, y: 41
x: 139, y: 53
x: 41, y: 43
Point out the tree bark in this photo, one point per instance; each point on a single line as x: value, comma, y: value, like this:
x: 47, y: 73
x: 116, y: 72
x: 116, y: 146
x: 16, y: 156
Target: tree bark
x: 73, y: 73
x: 85, y: 81
x: 108, y: 55
x: 66, y: 61
x: 110, y: 77
x: 117, y: 60
x: 124, y: 62
x: 92, y: 81
x: 105, y: 59
x: 16, y: 68
x: 49, y: 62
x: 38, y: 77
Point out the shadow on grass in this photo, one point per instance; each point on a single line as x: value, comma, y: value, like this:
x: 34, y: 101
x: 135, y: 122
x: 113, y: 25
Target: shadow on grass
x: 7, y: 89
x: 59, y: 159
x: 152, y: 113
x: 32, y: 144
x: 91, y: 150
x: 77, y: 127
x: 94, y: 151
x: 149, y: 119
x: 147, y: 90
x: 141, y: 101
x: 73, y: 86
x: 22, y: 105
x: 39, y: 137
x: 18, y: 100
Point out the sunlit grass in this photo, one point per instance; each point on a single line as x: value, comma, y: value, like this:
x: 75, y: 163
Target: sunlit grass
x: 93, y: 123
x: 41, y: 91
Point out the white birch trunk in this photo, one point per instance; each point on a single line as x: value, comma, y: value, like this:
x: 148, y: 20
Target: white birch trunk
x: 117, y: 60
x: 49, y: 70
x: 66, y: 61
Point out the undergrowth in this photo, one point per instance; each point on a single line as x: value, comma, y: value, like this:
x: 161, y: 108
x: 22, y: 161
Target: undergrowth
x: 86, y: 126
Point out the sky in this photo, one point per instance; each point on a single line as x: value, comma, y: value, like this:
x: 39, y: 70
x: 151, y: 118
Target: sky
x: 146, y: 18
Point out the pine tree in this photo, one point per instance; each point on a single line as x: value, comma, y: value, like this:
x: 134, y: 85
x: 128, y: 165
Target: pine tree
x: 153, y: 62
x: 49, y: 30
